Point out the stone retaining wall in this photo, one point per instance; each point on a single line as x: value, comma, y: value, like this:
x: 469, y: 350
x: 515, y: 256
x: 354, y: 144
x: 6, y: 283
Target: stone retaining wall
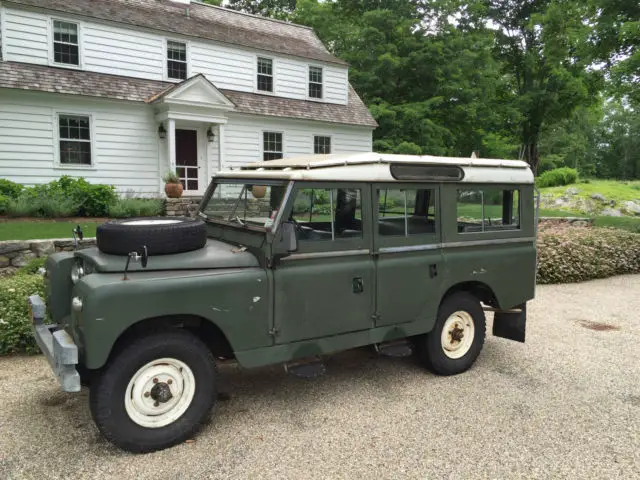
x: 183, y: 207
x: 17, y: 253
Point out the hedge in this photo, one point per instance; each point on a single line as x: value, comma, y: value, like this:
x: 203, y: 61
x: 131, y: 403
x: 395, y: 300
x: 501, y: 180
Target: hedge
x: 565, y: 255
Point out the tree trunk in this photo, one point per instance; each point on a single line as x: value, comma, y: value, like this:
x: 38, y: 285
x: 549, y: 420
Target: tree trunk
x: 531, y: 155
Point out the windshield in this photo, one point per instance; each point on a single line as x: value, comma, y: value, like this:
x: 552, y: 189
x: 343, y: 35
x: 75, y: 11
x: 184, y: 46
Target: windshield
x: 246, y: 205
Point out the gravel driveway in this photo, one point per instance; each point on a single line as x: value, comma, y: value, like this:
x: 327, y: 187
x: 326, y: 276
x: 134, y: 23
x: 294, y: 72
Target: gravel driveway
x: 565, y: 405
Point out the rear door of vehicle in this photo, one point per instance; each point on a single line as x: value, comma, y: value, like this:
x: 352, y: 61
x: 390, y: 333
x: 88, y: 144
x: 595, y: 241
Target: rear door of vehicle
x: 407, y: 252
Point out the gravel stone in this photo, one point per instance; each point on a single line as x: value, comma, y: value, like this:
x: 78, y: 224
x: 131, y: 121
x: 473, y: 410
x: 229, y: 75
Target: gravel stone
x: 566, y: 404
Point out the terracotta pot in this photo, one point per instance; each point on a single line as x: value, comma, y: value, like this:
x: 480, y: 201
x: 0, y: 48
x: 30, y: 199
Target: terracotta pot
x: 173, y: 190
x: 259, y: 191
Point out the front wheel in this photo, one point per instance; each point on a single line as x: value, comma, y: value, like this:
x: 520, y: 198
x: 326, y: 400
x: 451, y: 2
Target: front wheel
x: 156, y: 392
x: 457, y: 337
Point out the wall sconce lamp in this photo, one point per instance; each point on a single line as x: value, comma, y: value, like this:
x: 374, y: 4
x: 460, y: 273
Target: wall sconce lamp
x: 162, y: 133
x: 210, y: 135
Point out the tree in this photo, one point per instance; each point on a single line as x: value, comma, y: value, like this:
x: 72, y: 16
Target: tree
x: 217, y: 3
x: 280, y: 9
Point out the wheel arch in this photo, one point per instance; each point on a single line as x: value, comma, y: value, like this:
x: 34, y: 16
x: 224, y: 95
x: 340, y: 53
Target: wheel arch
x: 480, y: 290
x: 205, y: 329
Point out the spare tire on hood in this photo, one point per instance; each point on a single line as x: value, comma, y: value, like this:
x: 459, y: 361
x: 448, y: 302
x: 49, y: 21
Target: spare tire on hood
x: 161, y: 235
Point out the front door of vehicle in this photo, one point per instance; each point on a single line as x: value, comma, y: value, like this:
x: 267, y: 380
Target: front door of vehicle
x: 326, y: 287
x: 409, y: 259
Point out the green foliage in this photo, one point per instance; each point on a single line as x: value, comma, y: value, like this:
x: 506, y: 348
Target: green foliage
x: 171, y: 177
x: 32, y: 267
x: 557, y: 177
x: 15, y: 324
x: 64, y: 197
x: 4, y: 204
x: 137, y: 207
x: 577, y: 254
x: 10, y: 189
x: 630, y: 224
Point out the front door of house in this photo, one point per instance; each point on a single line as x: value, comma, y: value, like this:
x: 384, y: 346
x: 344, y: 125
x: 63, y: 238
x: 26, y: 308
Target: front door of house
x: 187, y: 159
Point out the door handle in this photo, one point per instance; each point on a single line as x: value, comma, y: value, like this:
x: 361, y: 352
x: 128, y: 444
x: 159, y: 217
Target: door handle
x: 433, y: 270
x: 358, y: 285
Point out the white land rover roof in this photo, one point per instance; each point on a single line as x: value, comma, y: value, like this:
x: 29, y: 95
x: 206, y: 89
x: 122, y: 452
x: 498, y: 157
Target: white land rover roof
x: 383, y: 167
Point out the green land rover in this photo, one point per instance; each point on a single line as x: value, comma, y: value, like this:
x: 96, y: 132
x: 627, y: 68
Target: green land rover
x: 289, y: 260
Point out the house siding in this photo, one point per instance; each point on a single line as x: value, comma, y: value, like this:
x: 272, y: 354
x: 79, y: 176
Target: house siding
x: 111, y: 49
x: 25, y: 37
x: 243, y: 137
x: 124, y: 138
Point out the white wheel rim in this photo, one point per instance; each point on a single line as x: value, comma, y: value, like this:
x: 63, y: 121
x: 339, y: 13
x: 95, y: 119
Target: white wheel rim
x: 457, y: 334
x: 159, y: 393
x: 143, y: 223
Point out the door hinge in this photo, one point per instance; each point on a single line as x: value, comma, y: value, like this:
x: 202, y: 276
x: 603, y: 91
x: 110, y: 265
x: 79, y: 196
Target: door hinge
x: 375, y: 316
x: 274, y: 332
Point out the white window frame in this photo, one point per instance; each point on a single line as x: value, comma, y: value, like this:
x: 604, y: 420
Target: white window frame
x: 273, y: 74
x: 165, y: 55
x: 313, y: 145
x: 50, y: 39
x: 57, y: 139
x: 263, y: 151
x: 309, y: 82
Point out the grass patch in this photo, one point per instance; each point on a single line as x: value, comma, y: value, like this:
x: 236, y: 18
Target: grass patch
x: 28, y: 230
x: 611, y: 189
x: 631, y: 224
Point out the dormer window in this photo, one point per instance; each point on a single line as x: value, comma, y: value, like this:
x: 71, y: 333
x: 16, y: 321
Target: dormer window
x: 176, y: 60
x: 265, y: 74
x: 65, y: 43
x: 315, y: 82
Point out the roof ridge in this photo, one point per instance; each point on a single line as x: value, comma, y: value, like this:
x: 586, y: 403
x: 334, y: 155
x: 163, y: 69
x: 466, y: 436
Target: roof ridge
x: 260, y: 17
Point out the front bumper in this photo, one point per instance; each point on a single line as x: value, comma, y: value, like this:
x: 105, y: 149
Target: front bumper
x: 57, y: 345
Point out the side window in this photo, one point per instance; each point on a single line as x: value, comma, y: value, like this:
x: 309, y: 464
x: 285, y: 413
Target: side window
x: 65, y: 43
x: 404, y: 212
x: 176, y: 60
x: 488, y: 209
x: 328, y: 214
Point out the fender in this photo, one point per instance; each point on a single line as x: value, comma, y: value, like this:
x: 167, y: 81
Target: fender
x: 236, y: 300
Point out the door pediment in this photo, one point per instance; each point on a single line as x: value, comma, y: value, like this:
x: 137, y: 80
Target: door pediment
x: 196, y: 91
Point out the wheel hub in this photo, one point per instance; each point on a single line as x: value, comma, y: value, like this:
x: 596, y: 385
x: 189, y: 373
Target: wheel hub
x: 161, y: 392
x: 457, y: 334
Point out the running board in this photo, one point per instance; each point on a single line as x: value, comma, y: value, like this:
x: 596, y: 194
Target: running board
x: 395, y: 348
x: 307, y: 368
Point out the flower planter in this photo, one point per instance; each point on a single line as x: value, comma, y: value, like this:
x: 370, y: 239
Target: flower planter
x: 173, y: 190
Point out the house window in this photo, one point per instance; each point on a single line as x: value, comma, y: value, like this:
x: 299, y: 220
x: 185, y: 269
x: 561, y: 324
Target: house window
x: 75, y: 140
x: 176, y: 60
x: 272, y: 146
x: 405, y: 212
x: 315, y: 82
x: 265, y: 74
x: 65, y: 43
x: 321, y: 145
x: 488, y: 210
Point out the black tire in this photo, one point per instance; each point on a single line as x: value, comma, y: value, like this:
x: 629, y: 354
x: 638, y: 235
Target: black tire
x: 120, y: 237
x: 429, y: 347
x: 108, y: 389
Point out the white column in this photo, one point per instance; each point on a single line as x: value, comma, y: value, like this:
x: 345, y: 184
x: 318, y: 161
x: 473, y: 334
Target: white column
x: 220, y: 147
x: 171, y: 136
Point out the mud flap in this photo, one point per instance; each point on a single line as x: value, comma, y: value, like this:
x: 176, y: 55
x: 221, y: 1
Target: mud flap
x: 511, y: 324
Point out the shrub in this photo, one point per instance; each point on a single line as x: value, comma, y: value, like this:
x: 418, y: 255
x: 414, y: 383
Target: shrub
x: 10, y: 189
x: 171, y: 177
x: 41, y: 203
x: 136, y: 207
x: 93, y: 200
x: 15, y: 324
x: 557, y: 177
x: 568, y: 254
x: 4, y: 204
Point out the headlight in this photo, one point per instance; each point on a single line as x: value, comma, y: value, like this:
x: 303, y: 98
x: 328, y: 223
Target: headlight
x: 77, y: 271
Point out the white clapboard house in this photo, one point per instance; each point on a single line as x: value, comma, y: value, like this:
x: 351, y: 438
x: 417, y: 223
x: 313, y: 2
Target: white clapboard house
x: 121, y: 91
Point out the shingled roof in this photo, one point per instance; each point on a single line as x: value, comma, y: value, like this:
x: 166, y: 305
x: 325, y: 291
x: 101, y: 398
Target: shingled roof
x: 24, y: 76
x: 199, y: 20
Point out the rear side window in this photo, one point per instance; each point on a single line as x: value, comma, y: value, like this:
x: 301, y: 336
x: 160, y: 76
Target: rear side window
x: 328, y: 213
x: 404, y: 212
x: 488, y: 210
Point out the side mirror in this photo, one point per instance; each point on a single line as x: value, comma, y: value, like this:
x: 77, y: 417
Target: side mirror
x: 144, y: 257
x: 287, y: 238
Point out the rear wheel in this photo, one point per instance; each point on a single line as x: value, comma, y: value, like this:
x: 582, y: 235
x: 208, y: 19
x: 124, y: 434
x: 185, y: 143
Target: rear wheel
x: 457, y: 337
x: 156, y: 392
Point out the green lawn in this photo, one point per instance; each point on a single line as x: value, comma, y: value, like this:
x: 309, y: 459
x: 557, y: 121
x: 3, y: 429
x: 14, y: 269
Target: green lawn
x: 632, y: 224
x: 611, y: 189
x: 27, y: 230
